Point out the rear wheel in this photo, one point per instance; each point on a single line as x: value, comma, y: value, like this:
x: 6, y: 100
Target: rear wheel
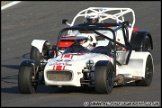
x: 146, y: 45
x: 104, y: 79
x: 27, y: 82
x: 148, y: 73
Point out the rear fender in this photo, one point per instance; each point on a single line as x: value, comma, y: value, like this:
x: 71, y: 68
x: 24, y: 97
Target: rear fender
x: 137, y: 64
x: 138, y: 38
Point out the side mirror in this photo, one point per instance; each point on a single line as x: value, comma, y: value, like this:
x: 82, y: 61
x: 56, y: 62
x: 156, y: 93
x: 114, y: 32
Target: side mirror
x: 64, y: 21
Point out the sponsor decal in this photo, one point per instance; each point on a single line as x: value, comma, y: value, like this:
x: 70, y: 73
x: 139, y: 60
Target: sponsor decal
x: 66, y: 60
x: 62, y: 63
x: 59, y: 60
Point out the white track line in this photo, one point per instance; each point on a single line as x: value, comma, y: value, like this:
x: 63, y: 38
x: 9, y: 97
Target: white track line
x: 10, y: 4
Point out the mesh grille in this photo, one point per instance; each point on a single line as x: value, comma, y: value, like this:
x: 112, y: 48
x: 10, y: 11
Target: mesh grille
x: 59, y: 75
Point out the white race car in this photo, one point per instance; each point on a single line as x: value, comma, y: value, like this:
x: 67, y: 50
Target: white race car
x: 130, y: 60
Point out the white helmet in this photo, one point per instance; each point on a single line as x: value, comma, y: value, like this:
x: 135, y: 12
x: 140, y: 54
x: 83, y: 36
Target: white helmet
x: 81, y: 37
x: 92, y: 19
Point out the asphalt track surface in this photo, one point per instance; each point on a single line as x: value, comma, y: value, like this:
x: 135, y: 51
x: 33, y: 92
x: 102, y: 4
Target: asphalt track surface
x: 22, y: 23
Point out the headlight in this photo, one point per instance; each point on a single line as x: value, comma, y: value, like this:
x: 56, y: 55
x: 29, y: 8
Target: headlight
x: 89, y: 63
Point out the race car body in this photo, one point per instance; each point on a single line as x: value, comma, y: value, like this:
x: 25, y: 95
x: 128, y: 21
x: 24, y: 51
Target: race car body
x: 121, y: 54
x: 62, y: 71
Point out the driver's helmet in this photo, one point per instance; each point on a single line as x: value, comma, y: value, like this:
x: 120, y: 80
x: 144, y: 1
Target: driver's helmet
x: 82, y: 37
x: 92, y: 19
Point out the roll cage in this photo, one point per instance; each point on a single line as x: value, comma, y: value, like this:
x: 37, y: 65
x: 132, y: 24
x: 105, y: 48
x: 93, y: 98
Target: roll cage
x: 119, y: 15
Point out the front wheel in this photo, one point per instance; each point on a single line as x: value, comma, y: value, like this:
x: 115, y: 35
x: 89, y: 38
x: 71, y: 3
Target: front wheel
x: 104, y: 79
x: 35, y: 54
x: 27, y: 82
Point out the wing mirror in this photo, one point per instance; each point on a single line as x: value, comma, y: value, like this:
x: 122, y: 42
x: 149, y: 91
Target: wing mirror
x: 65, y: 21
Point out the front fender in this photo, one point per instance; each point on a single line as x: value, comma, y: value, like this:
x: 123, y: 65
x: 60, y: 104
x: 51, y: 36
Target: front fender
x: 102, y: 63
x: 38, y: 43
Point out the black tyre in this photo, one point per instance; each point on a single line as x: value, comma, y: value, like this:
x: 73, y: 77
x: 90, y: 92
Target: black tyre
x: 35, y: 54
x: 104, y: 79
x: 146, y: 45
x: 26, y: 82
x: 148, y: 73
